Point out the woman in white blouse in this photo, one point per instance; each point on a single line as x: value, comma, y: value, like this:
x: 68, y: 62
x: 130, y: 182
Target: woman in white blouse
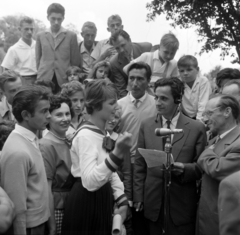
x: 89, y: 207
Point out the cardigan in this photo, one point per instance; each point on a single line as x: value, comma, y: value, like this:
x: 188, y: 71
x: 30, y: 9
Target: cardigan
x: 23, y: 177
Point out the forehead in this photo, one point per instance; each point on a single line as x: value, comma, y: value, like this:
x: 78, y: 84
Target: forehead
x: 77, y: 95
x: 87, y: 30
x: 230, y: 89
x: 164, y: 91
x: 63, y: 108
x: 55, y: 15
x: 167, y: 49
x: 187, y: 66
x: 42, y: 104
x: 138, y: 73
x: 103, y: 68
x: 114, y: 22
x: 213, y: 103
x: 26, y: 25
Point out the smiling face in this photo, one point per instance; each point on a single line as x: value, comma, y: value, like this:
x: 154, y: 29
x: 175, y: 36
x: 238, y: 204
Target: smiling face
x: 138, y: 83
x: 55, y: 20
x: 77, y: 100
x: 60, y: 120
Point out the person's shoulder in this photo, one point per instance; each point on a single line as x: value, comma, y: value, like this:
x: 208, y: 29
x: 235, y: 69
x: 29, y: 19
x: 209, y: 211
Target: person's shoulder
x: 70, y: 33
x: 149, y: 120
x: 195, y: 124
x: 232, y: 179
x: 203, y: 79
x: 144, y: 46
x: 114, y: 59
x: 123, y: 101
x: 173, y: 62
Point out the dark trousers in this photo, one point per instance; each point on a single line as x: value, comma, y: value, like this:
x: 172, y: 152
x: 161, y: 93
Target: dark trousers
x: 57, y: 88
x: 38, y: 230
x: 156, y: 228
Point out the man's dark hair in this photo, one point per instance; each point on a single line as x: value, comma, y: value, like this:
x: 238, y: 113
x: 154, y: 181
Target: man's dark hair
x: 56, y: 8
x: 187, y: 61
x: 27, y: 20
x: 6, y: 127
x: 229, y: 101
x: 227, y: 73
x: 97, y: 92
x: 27, y: 99
x: 141, y: 65
x: 45, y: 83
x: 118, y: 33
x: 176, y: 85
x: 8, y: 76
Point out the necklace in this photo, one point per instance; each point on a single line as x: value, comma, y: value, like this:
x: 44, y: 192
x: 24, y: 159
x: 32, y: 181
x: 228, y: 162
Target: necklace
x: 60, y: 138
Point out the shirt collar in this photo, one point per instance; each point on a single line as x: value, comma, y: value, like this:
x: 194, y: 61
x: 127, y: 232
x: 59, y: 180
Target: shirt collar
x: 26, y: 133
x: 133, y: 99
x: 226, y: 132
x: 155, y: 55
x: 173, y: 121
x: 83, y: 48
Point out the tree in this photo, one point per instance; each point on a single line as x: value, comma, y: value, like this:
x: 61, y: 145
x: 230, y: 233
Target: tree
x: 217, y: 21
x: 74, y: 29
x: 9, y: 32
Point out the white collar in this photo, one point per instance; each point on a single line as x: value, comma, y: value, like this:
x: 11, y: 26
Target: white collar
x: 226, y: 132
x: 25, y: 132
x: 173, y: 121
x: 83, y: 48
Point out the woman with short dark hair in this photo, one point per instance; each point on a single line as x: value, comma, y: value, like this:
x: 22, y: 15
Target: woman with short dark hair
x: 89, y: 207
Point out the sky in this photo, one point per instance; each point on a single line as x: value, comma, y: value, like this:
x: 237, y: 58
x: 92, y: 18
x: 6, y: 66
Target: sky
x: 134, y: 17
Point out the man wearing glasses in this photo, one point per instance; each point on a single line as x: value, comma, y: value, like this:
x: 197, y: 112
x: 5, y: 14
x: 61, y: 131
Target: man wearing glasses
x: 220, y: 159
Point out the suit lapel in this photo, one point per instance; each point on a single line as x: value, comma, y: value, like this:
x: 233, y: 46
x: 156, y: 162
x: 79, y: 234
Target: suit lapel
x: 179, y: 139
x: 60, y: 38
x: 158, y: 144
x: 227, y: 140
x: 50, y: 39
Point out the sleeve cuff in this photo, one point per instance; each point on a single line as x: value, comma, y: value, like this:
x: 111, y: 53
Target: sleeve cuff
x: 122, y: 200
x: 113, y: 162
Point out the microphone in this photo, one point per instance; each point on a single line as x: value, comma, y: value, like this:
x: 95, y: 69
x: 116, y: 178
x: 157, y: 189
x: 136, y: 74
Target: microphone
x: 166, y: 131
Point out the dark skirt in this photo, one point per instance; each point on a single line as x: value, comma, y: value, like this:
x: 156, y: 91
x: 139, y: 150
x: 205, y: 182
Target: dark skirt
x: 88, y: 213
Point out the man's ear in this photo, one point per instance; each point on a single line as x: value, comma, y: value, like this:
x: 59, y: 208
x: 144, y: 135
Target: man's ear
x: 227, y: 112
x: 122, y: 26
x: 82, y: 34
x: 108, y: 29
x: 25, y: 115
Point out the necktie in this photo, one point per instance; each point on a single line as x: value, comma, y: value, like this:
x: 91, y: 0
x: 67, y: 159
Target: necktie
x: 136, y: 102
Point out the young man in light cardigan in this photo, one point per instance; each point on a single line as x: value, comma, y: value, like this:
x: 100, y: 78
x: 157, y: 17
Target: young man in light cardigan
x: 136, y: 107
x: 23, y: 175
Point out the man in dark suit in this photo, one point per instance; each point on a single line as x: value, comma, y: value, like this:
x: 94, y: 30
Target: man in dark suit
x: 126, y: 51
x: 220, y: 159
x: 56, y: 49
x: 229, y: 205
x: 186, y: 148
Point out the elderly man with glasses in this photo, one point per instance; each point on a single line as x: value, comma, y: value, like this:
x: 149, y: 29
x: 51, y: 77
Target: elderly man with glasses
x: 220, y: 159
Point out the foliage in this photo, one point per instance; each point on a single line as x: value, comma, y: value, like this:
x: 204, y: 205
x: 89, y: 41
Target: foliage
x: 217, y: 21
x: 9, y: 32
x: 74, y: 29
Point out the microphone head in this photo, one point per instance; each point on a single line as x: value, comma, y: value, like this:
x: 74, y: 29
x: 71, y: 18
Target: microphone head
x: 166, y: 131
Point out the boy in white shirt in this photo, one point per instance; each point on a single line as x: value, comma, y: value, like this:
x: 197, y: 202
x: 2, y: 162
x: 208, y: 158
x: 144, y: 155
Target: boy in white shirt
x: 197, y: 87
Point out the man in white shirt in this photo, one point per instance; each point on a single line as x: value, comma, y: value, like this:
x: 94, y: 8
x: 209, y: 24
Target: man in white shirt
x: 21, y: 56
x: 220, y: 159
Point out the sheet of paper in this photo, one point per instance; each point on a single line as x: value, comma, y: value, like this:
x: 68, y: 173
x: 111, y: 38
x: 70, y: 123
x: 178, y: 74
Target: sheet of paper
x: 154, y: 158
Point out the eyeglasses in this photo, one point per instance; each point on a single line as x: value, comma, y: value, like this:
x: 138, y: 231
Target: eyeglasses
x: 208, y: 114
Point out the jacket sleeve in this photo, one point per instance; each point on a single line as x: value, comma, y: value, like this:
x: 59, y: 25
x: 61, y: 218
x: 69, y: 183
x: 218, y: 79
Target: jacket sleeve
x: 38, y: 51
x: 140, y: 170
x: 75, y: 56
x: 217, y: 166
x: 192, y: 171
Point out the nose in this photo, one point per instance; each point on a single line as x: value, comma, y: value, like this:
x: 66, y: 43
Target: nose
x: 48, y: 115
x: 79, y: 104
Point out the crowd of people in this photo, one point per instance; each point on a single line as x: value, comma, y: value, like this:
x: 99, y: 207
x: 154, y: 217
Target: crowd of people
x: 74, y: 118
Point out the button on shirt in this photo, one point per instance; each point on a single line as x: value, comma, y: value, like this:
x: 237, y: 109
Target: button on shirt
x: 21, y: 58
x: 87, y: 57
x: 172, y: 125
x: 138, y: 103
x: 27, y: 134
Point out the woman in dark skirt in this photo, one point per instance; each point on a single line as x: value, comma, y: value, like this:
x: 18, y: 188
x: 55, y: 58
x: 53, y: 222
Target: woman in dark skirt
x: 89, y: 207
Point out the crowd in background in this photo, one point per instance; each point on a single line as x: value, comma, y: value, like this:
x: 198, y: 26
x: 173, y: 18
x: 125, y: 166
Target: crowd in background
x: 75, y: 118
